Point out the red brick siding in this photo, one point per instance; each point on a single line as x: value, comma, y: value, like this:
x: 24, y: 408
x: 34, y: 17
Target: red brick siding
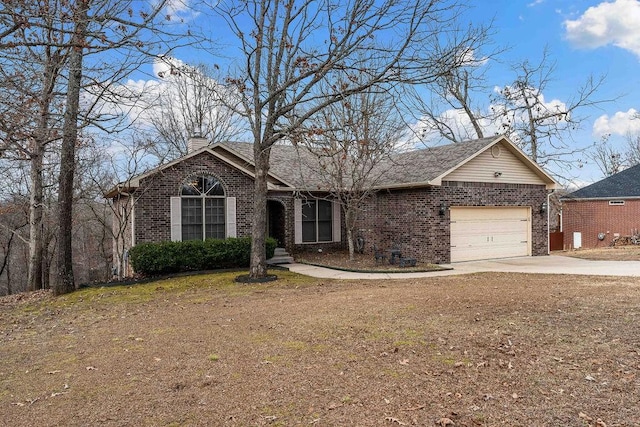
x: 591, y: 217
x: 410, y: 218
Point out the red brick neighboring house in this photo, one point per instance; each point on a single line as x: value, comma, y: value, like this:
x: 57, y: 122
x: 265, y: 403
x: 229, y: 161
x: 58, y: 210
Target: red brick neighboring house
x: 473, y: 200
x: 594, y: 215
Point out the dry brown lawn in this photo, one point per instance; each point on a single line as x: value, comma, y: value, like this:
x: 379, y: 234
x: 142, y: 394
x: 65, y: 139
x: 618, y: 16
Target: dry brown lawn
x: 609, y: 253
x: 476, y: 350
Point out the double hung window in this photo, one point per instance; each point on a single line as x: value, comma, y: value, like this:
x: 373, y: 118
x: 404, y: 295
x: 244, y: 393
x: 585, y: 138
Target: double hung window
x: 317, y: 221
x: 202, y: 208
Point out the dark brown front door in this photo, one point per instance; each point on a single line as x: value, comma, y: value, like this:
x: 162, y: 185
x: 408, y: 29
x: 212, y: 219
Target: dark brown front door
x: 276, y: 221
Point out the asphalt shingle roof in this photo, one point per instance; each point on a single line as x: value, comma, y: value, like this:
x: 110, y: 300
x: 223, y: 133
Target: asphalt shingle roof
x: 620, y: 185
x: 298, y: 166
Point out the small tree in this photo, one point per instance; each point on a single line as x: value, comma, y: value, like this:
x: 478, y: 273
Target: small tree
x: 350, y: 141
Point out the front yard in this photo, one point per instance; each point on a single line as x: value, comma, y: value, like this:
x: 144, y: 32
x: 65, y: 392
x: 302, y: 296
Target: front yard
x: 477, y: 350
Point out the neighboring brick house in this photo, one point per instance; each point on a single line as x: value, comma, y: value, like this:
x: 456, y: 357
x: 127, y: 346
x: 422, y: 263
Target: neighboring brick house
x: 594, y: 215
x: 474, y: 200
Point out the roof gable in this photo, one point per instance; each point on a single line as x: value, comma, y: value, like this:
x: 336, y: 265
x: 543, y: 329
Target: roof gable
x: 498, y: 163
x: 219, y: 151
x: 433, y: 165
x: 623, y: 184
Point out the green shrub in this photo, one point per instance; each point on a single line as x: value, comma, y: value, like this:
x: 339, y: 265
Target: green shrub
x: 193, y: 255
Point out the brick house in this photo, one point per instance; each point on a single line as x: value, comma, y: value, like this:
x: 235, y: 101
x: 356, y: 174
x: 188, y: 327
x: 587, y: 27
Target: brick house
x: 594, y: 215
x: 474, y: 200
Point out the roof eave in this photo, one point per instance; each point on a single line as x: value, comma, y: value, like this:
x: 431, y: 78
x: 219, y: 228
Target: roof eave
x: 598, y: 199
x: 401, y: 186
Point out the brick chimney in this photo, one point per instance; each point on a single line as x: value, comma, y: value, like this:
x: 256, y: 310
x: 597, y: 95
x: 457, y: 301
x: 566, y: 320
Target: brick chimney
x: 196, y: 142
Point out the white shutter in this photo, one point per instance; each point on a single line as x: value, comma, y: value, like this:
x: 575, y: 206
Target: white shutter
x: 336, y: 226
x: 176, y: 219
x: 231, y: 217
x: 297, y: 215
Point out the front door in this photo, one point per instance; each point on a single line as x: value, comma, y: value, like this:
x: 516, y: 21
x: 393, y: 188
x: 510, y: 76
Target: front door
x: 276, y: 221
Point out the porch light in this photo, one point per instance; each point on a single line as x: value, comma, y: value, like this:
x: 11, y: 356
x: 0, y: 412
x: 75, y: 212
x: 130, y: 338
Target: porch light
x: 443, y: 209
x: 543, y: 207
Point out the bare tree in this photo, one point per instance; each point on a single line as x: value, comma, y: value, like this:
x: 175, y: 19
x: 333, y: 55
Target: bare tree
x: 609, y: 160
x: 451, y: 110
x: 632, y: 152
x: 103, y: 174
x: 28, y: 80
x: 129, y: 31
x: 542, y: 129
x: 290, y: 48
x: 349, y: 141
x: 191, y: 100
x: 13, y: 221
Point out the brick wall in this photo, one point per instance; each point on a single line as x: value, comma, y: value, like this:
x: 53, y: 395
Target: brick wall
x: 591, y: 217
x: 410, y: 218
x: 152, y: 208
x: 407, y: 218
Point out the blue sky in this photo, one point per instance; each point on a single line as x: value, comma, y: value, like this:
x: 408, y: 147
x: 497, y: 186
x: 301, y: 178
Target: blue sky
x: 584, y: 37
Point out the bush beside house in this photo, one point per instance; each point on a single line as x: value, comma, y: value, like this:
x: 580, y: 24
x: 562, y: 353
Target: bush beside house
x: 193, y: 255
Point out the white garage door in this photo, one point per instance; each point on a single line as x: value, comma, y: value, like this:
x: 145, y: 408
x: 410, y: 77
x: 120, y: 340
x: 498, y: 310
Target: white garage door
x: 486, y: 233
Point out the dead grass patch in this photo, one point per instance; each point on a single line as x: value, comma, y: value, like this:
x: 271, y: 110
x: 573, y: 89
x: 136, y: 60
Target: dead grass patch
x: 609, y: 253
x: 480, y: 350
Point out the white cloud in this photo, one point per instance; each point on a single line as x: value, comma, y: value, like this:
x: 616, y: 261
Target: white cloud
x: 621, y: 123
x: 180, y: 10
x: 616, y: 23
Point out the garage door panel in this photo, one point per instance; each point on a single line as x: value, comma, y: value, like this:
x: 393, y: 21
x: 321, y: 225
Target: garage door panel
x: 486, y: 233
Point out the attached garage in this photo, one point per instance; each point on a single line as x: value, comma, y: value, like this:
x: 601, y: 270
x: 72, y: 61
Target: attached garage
x: 490, y: 232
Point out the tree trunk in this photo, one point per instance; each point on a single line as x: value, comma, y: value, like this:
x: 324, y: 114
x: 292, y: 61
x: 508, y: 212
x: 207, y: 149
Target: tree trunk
x: 36, y: 234
x: 5, y: 262
x: 351, y: 246
x: 258, y: 267
x: 36, y: 271
x: 64, y: 279
x: 348, y: 219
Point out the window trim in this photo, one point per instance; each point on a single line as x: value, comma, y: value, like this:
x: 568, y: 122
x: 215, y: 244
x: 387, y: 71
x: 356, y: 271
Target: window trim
x: 203, y: 224
x: 336, y: 222
x: 316, y: 221
x: 177, y: 207
x: 616, y: 202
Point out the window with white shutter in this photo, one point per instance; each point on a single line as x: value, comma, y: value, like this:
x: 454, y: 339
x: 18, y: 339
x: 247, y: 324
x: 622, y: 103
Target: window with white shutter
x: 202, y: 211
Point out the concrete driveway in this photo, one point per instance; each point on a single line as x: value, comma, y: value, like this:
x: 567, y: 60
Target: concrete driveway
x: 553, y: 264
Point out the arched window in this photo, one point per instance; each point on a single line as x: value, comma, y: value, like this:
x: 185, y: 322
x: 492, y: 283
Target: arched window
x: 202, y: 208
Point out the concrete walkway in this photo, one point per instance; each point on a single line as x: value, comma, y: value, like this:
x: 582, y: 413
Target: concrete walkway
x: 553, y: 264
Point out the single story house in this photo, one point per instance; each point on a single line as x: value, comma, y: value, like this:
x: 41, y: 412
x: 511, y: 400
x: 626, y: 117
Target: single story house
x: 474, y: 200
x: 596, y: 214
